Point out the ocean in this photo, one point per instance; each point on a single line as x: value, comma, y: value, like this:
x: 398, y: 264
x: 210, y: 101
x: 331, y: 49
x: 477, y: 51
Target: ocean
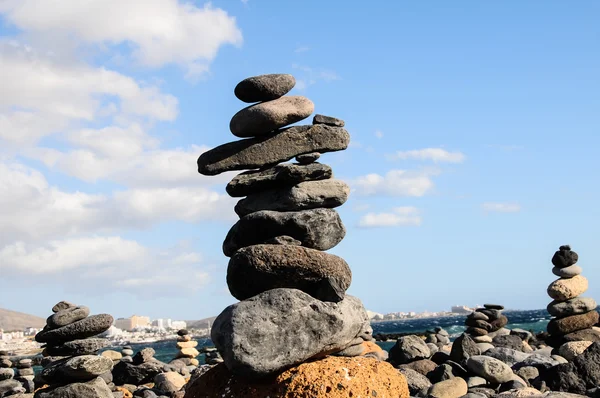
x: 534, y: 320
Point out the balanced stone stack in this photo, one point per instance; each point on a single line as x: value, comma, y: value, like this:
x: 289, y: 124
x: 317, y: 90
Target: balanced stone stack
x: 293, y: 303
x: 25, y: 375
x: 186, y: 348
x: 8, y: 385
x: 127, y: 353
x: 212, y: 356
x: 485, y: 321
x: 573, y: 316
x: 75, y: 366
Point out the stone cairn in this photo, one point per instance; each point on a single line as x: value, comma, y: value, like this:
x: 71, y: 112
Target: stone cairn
x: 486, y: 321
x: 573, y: 316
x: 26, y: 375
x: 73, y: 366
x: 127, y: 353
x: 293, y: 304
x: 186, y: 348
x: 9, y: 387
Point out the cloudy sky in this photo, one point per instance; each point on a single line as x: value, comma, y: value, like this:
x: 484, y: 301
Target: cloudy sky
x: 474, y: 149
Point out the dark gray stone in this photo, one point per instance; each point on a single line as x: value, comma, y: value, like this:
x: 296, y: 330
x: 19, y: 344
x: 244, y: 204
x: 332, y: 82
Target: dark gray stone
x: 493, y: 307
x: 263, y: 118
x: 507, y: 355
x: 582, y: 335
x: 255, y: 269
x: 283, y: 240
x: 280, y: 176
x: 78, y: 347
x: 259, y: 152
x: 573, y: 323
x: 564, y: 257
x: 441, y: 373
x: 508, y: 341
x: 82, y: 329
x: 418, y: 385
x: 284, y: 327
x: 328, y: 120
x: 523, y: 334
x: 308, y: 158
x: 574, y: 306
x: 319, y: 229
x: 95, y: 388
x: 80, y: 368
x: 463, y: 348
x: 478, y: 323
x: 128, y: 373
x: 67, y: 316
x: 328, y: 193
x: 408, y: 349
x: 478, y: 316
x: 264, y: 87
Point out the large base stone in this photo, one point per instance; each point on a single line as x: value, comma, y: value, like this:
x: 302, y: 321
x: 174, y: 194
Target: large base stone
x: 82, y: 329
x: 572, y: 323
x: 280, y: 328
x: 332, y: 377
x: 96, y: 388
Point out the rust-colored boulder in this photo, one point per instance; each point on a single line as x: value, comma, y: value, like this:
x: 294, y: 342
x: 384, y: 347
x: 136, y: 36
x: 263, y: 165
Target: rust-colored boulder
x: 572, y: 323
x: 331, y: 377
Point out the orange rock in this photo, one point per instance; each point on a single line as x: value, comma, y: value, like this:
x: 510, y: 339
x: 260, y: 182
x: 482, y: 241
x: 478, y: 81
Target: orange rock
x: 126, y: 392
x: 370, y: 347
x: 331, y: 377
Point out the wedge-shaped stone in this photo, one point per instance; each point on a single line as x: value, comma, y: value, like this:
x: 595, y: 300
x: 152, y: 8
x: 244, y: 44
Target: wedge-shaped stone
x: 306, y: 195
x: 280, y: 176
x: 255, y: 269
x: 254, y: 153
x: 284, y: 327
x: 266, y: 117
x: 319, y: 229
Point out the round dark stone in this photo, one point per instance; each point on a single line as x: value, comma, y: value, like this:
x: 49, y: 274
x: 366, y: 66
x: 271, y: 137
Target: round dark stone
x: 264, y: 87
x: 564, y: 257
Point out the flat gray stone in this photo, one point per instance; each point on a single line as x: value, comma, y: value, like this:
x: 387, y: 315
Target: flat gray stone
x: 95, y: 388
x: 78, y: 347
x: 264, y: 87
x: 319, y: 229
x: 328, y: 120
x: 255, y: 269
x: 308, y: 158
x: 80, y: 368
x: 280, y: 176
x: 577, y: 305
x: 254, y: 153
x: 489, y: 368
x: 67, y: 316
x: 306, y: 195
x: 280, y: 328
x: 418, y: 385
x: 567, y: 272
x: 408, y: 349
x: 82, y: 329
x: 266, y: 117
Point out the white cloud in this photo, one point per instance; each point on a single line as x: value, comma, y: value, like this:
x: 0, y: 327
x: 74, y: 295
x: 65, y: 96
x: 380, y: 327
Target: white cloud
x: 379, y: 134
x: 33, y: 210
x: 395, y: 183
x: 158, y: 32
x: 437, y: 155
x: 106, y: 263
x: 302, y: 49
x: 310, y: 76
x: 400, y: 216
x: 501, y: 207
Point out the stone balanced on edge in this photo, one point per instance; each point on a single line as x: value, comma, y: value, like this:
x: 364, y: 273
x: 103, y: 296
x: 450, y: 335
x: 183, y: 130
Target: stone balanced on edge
x: 293, y: 304
x: 573, y: 316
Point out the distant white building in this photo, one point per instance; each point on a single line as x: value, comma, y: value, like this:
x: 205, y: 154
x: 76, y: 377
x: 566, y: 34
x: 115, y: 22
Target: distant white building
x: 178, y: 325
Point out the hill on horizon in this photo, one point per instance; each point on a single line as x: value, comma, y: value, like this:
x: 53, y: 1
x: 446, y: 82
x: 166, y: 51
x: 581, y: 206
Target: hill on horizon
x: 201, y: 323
x: 17, y: 321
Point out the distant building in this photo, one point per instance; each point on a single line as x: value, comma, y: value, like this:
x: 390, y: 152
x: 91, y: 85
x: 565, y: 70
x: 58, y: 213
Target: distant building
x: 461, y: 309
x: 178, y: 325
x: 133, y: 322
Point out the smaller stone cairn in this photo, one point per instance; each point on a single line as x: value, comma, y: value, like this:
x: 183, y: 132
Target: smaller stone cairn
x: 187, y: 348
x: 212, y: 356
x: 9, y: 387
x: 73, y: 367
x: 485, y: 321
x: 573, y: 316
x: 25, y: 375
x: 127, y: 353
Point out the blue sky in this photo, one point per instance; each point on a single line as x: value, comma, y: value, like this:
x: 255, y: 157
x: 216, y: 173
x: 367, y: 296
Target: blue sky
x: 474, y: 146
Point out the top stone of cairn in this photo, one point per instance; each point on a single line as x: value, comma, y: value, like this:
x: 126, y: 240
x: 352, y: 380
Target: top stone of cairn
x: 264, y: 87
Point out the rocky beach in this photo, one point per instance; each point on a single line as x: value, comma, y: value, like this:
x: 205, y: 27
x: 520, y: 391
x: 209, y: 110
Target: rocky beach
x: 295, y: 332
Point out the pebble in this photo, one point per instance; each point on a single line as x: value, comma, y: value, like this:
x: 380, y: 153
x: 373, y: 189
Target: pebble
x: 567, y: 272
x: 328, y: 193
x: 266, y: 117
x: 573, y: 348
x: 565, y: 289
x: 322, y: 275
x: 328, y: 120
x: 308, y: 158
x: 259, y: 152
x: 264, y: 87
x: 320, y: 229
x: 452, y: 388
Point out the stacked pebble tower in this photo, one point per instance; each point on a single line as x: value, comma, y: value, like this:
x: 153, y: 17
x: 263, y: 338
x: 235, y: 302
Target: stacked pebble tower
x: 9, y: 387
x: 289, y: 287
x: 187, y: 348
x: 572, y: 314
x: 73, y: 365
x: 486, y: 320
